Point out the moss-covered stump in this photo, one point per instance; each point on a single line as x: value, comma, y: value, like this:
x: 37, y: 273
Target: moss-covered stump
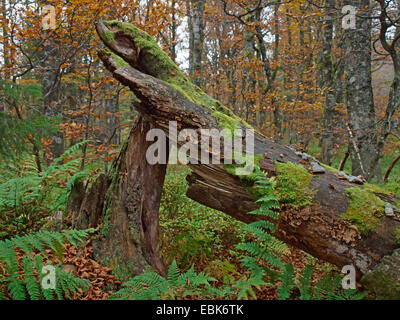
x: 384, y: 280
x: 321, y: 210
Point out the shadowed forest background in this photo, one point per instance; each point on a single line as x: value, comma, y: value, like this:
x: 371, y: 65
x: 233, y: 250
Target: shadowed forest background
x: 287, y: 68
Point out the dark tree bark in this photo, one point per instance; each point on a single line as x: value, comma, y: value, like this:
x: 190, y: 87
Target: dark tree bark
x: 189, y: 16
x: 166, y: 95
x: 5, y: 42
x: 343, y: 161
x: 387, y: 174
x: 125, y: 204
x: 174, y: 29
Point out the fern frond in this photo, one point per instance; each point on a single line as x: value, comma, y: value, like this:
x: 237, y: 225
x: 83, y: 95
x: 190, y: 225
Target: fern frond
x: 22, y: 280
x: 246, y: 287
x: 16, y: 287
x: 287, y: 279
x: 30, y: 282
x: 304, y: 283
x: 173, y: 273
x: 70, y: 151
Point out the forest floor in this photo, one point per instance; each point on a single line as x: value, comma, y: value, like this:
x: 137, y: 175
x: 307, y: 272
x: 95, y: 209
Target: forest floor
x: 191, y: 234
x: 80, y: 263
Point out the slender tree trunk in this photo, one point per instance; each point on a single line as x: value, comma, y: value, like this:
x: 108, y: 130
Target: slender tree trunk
x: 173, y: 30
x: 50, y: 86
x: 108, y: 121
x: 359, y: 95
x: 198, y: 39
x: 344, y: 160
x: 394, y: 93
x: 249, y: 82
x: 5, y: 42
x: 387, y: 174
x: 328, y: 84
x: 5, y: 49
x: 191, y: 36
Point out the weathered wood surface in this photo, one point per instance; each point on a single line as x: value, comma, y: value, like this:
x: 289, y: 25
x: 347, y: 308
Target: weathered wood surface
x: 125, y: 203
x: 319, y: 229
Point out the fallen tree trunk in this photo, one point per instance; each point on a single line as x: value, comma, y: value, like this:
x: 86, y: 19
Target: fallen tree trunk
x: 330, y: 215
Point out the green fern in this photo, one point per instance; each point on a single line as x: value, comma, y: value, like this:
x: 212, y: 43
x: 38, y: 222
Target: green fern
x: 173, y: 273
x: 246, y: 285
x: 66, y: 284
x: 329, y: 287
x: 287, y: 282
x: 304, y: 283
x: 22, y: 281
x: 152, y: 286
x: 26, y: 200
x: 264, y: 257
x: 261, y: 260
x: 28, y: 188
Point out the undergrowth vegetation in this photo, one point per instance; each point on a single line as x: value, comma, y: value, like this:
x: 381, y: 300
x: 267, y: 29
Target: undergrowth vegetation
x: 22, y: 262
x: 192, y: 232
x: 29, y: 197
x: 258, y: 251
x: 210, y: 255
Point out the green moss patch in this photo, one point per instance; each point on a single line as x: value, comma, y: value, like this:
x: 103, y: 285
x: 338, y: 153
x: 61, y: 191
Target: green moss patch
x: 384, y: 279
x: 385, y: 287
x: 364, y: 205
x: 293, y: 182
x: 108, y: 36
x: 162, y: 65
x: 226, y: 122
x: 117, y: 59
x: 375, y: 188
x: 292, y: 185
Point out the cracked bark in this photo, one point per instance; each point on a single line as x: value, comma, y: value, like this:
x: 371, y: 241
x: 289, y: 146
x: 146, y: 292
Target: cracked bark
x: 124, y: 204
